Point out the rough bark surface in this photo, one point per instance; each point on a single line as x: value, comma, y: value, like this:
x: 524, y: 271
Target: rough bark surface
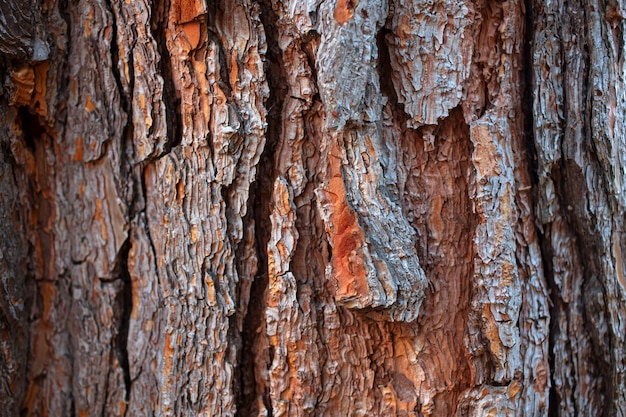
x: 312, y: 208
x: 579, y: 113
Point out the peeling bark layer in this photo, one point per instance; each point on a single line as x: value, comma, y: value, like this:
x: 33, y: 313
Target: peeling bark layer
x: 312, y: 208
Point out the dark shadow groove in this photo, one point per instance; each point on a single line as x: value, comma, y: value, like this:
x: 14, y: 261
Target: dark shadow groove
x: 124, y: 300
x: 172, y: 102
x: 249, y: 387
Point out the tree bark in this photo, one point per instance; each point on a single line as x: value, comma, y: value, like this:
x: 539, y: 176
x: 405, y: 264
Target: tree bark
x: 313, y: 208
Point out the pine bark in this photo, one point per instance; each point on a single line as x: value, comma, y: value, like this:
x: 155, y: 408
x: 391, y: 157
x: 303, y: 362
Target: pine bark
x: 312, y: 208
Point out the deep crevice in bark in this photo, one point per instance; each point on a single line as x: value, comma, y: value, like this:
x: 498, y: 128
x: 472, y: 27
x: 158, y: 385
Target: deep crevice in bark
x: 72, y: 407
x: 308, y: 43
x: 260, y: 196
x: 31, y: 127
x: 144, y: 197
x: 124, y: 300
x: 589, y: 237
x: 260, y: 202
x: 527, y: 98
x: 158, y: 23
x: 115, y: 57
x: 588, y: 245
x: 553, y: 291
x: 385, y: 72
x: 224, y: 79
x: 454, y: 128
x: 488, y: 37
x: 124, y: 295
x: 585, y: 227
x: 532, y: 165
x: 568, y: 183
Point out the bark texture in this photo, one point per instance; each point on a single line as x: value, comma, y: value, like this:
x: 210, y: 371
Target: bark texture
x: 312, y: 208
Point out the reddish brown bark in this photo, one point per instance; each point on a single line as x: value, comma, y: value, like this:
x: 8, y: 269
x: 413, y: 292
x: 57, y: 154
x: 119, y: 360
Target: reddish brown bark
x: 291, y: 208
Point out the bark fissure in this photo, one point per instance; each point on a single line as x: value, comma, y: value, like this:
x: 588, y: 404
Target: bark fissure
x: 125, y: 304
x: 31, y: 127
x: 526, y: 88
x: 171, y: 99
x: 570, y: 311
x: 252, y: 389
x: 224, y: 79
x: 384, y: 70
x: 115, y: 59
x: 555, y: 303
x: 532, y: 165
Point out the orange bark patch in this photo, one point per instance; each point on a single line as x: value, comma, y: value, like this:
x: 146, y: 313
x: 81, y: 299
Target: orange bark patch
x: 78, y: 153
x: 88, y: 20
x: 89, y: 106
x: 491, y: 331
x: 347, y: 255
x: 180, y: 192
x: 39, y: 97
x: 190, y: 10
x: 122, y: 405
x: 98, y: 216
x: 344, y: 10
x: 404, y: 29
x: 24, y: 84
x: 192, y: 32
x: 614, y: 15
x: 348, y: 239
x: 485, y: 151
x: 31, y: 396
x: 132, y: 262
x: 168, y: 354
x: 234, y: 73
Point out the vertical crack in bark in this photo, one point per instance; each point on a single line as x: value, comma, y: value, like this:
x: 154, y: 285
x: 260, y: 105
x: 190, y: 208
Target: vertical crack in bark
x: 586, y: 228
x: 543, y: 236
x: 527, y: 95
x: 384, y: 74
x: 588, y: 240
x: 115, y: 58
x: 170, y: 100
x: 572, y: 244
x: 31, y: 127
x: 554, y: 403
x: 587, y: 247
x: 260, y: 194
x: 547, y: 254
x: 260, y: 199
x: 125, y: 304
x: 34, y: 134
x: 124, y: 296
x: 569, y: 181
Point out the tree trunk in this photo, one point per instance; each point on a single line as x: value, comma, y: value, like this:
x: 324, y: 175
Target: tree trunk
x: 313, y: 208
